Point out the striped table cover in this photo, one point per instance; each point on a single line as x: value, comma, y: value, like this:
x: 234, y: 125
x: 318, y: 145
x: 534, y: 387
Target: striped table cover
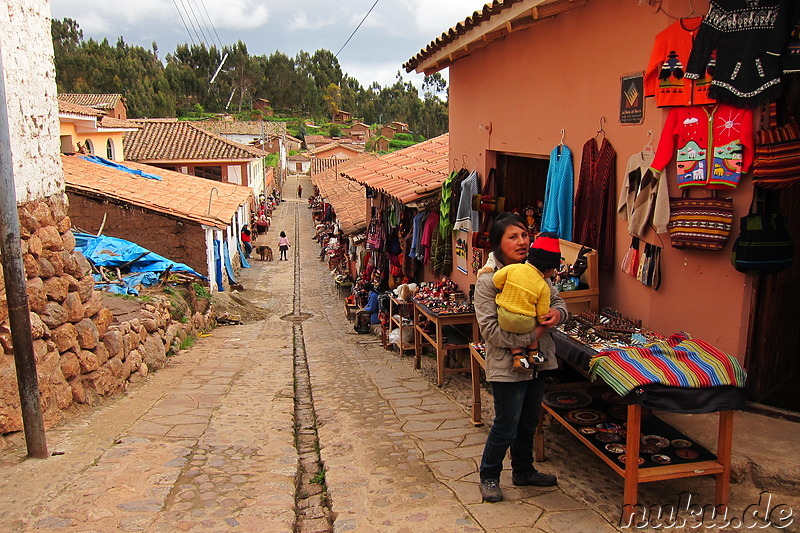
x: 680, y: 361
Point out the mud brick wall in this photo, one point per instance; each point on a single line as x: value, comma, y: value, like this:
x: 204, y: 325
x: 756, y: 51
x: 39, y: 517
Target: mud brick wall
x: 178, y: 241
x: 82, y: 354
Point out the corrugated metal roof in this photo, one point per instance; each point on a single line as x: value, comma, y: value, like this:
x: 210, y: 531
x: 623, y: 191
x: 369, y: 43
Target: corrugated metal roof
x: 176, y: 194
x: 348, y: 198
x: 172, y: 140
x: 409, y: 174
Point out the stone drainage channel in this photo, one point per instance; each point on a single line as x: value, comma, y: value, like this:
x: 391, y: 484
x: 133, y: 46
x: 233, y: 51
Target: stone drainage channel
x: 313, y: 513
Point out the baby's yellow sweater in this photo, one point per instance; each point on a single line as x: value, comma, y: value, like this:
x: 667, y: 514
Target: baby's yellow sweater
x: 523, y: 290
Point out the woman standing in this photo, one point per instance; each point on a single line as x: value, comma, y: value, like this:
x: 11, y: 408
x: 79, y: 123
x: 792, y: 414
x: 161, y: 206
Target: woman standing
x: 246, y: 241
x: 517, y: 396
x: 283, y: 245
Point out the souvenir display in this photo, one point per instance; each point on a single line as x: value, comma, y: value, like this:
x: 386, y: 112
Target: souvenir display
x: 567, y: 399
x: 588, y: 430
x: 680, y: 443
x: 661, y: 459
x: 443, y: 297
x: 608, y: 437
x: 648, y: 449
x: 687, y: 453
x: 609, y: 427
x: 624, y: 458
x: 606, y: 330
x: 615, y: 447
x: 586, y: 416
x: 612, y: 397
x: 655, y: 440
x: 621, y: 412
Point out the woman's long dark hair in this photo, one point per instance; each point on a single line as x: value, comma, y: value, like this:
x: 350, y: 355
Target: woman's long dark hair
x: 498, y: 229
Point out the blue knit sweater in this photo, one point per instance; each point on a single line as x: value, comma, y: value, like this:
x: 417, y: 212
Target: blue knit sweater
x: 557, y: 216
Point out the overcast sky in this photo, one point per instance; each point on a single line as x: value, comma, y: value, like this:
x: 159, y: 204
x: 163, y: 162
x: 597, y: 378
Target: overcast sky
x: 395, y: 30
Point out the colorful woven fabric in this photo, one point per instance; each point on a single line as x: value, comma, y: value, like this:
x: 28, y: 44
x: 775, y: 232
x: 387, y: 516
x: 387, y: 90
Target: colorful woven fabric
x: 680, y: 361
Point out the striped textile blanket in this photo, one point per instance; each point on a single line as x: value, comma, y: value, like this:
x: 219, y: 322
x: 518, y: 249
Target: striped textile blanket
x: 680, y: 361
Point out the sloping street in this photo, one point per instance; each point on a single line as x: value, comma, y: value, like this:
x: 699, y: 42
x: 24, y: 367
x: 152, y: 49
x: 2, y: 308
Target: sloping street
x: 295, y: 423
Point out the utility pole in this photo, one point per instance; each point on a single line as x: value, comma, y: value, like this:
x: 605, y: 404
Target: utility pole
x: 16, y: 295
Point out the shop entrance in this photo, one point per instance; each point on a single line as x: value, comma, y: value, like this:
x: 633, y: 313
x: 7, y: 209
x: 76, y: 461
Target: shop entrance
x: 773, y: 364
x: 522, y: 180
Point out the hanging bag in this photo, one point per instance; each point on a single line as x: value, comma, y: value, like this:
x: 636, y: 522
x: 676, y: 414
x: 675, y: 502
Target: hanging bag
x: 489, y: 201
x: 700, y: 223
x: 480, y: 239
x: 776, y: 160
x: 764, y: 245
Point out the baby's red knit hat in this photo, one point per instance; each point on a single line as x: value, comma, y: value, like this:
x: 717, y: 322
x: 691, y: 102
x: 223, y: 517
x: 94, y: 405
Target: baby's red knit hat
x: 545, y: 252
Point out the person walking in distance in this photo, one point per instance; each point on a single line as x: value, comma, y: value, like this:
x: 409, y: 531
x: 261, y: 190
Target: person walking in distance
x: 299, y: 191
x: 283, y: 246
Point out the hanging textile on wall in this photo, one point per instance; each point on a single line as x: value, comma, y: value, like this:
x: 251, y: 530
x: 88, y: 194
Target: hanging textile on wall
x: 644, y: 196
x: 466, y: 217
x: 442, y: 254
x: 557, y: 216
x: 461, y: 250
x: 712, y: 145
x: 739, y: 30
x: 594, y: 206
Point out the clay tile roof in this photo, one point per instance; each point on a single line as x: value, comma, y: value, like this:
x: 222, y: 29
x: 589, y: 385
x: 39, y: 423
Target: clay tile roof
x: 243, y: 127
x: 76, y: 109
x: 315, y: 139
x: 177, y: 195
x: 495, y: 20
x: 173, y: 140
x: 298, y: 157
x: 111, y: 122
x: 347, y: 197
x: 408, y: 174
x: 98, y: 101
x: 333, y: 145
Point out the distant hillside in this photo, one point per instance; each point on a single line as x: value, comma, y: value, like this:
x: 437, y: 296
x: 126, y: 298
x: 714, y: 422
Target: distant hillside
x: 310, y: 85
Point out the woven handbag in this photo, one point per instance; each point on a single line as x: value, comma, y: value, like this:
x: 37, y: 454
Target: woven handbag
x: 700, y: 223
x: 764, y: 245
x: 776, y: 160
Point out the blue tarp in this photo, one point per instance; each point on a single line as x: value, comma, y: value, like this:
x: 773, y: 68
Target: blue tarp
x: 111, y: 252
x: 117, y: 166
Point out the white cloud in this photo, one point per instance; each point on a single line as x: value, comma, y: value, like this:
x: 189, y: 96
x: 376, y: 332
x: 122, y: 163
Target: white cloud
x: 437, y: 16
x: 300, y: 22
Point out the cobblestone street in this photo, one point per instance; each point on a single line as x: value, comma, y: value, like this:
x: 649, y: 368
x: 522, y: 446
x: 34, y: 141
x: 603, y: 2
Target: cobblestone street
x: 295, y: 423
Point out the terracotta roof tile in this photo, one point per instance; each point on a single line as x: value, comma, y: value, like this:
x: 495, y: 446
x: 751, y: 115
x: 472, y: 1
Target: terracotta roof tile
x: 98, y: 101
x: 408, y: 174
x: 243, y: 127
x: 333, y: 145
x: 77, y: 109
x: 493, y: 21
x: 173, y: 140
x: 176, y: 194
x: 347, y: 197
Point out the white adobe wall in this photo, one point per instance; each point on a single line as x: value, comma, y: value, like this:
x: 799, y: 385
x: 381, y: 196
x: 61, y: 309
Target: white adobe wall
x: 26, y: 51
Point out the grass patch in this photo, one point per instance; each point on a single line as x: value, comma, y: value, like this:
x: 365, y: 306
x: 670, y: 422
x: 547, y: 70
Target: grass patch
x: 200, y: 291
x: 319, y: 478
x: 188, y: 342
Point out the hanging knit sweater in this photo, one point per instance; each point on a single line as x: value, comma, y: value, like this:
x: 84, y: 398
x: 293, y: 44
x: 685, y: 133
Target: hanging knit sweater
x: 664, y: 77
x: 713, y: 145
x: 466, y: 218
x: 644, y: 196
x: 749, y: 37
x: 594, y: 206
x: 445, y: 223
x: 557, y: 216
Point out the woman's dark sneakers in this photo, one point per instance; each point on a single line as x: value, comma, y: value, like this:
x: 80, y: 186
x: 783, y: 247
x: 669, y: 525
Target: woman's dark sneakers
x: 490, y: 491
x: 535, y: 478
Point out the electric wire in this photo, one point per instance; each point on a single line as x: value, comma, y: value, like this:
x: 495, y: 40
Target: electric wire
x: 199, y: 26
x: 202, y: 2
x: 196, y: 33
x: 355, y: 30
x: 184, y: 22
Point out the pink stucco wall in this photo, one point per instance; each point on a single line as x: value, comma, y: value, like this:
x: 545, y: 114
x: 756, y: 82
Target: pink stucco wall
x: 565, y: 73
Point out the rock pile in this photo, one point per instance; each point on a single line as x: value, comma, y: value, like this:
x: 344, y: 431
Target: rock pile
x: 81, y: 355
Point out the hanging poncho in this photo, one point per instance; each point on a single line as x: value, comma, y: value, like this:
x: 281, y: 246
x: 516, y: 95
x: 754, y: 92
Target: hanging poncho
x: 557, y: 215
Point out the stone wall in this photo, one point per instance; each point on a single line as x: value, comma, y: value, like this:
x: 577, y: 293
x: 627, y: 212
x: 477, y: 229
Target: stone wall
x: 179, y: 241
x: 82, y: 354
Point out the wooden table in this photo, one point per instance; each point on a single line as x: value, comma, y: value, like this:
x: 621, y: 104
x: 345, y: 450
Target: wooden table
x: 719, y: 467
x: 441, y: 321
